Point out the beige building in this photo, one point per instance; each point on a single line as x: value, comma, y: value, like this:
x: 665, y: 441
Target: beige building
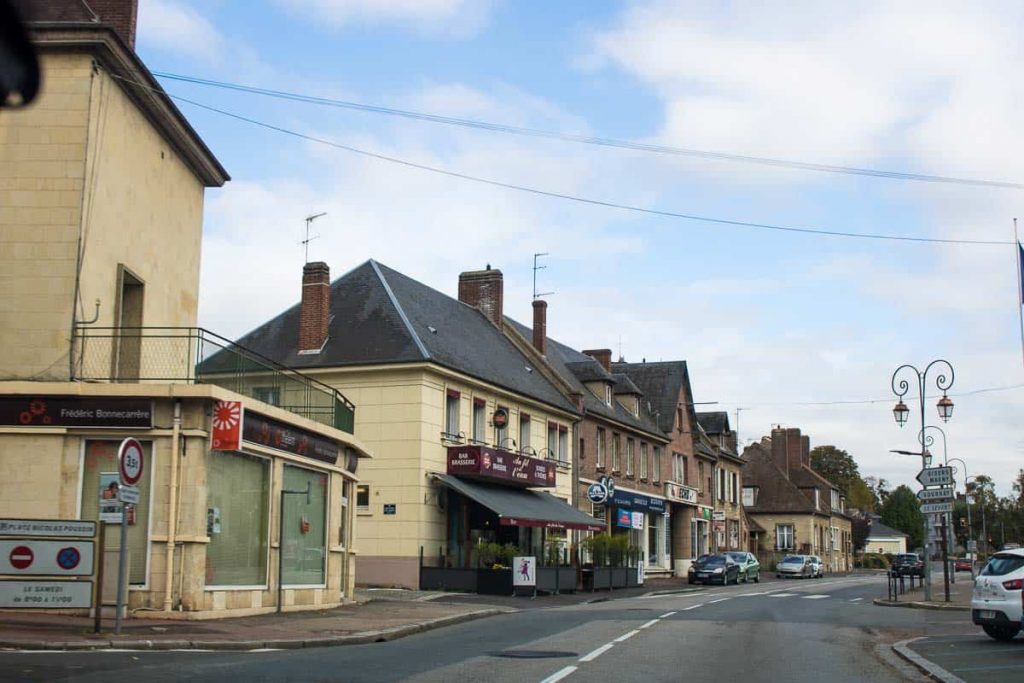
x: 101, y: 196
x: 472, y: 435
x: 884, y: 539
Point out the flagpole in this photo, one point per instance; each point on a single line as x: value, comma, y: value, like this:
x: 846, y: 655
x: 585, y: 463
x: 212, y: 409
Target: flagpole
x: 1020, y: 286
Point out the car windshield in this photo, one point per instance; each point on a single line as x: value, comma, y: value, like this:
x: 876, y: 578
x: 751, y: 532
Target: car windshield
x: 1000, y: 565
x: 738, y: 557
x: 793, y: 559
x: 907, y: 558
x: 714, y: 561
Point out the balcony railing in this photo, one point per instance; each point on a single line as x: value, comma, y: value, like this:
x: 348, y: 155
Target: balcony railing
x: 195, y: 355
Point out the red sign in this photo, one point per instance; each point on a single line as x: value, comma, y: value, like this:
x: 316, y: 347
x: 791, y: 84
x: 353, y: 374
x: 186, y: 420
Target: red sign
x: 21, y: 557
x: 227, y: 425
x: 129, y: 462
x: 500, y: 466
x: 545, y: 524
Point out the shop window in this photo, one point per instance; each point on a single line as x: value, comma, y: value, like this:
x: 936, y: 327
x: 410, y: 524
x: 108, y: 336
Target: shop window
x: 552, y: 441
x: 238, y: 487
x: 363, y: 499
x: 99, y: 472
x: 629, y: 457
x: 657, y: 464
x: 451, y: 414
x: 601, y: 440
x: 524, y: 432
x: 563, y: 445
x: 643, y: 461
x: 305, y: 528
x: 784, y: 537
x: 479, y: 420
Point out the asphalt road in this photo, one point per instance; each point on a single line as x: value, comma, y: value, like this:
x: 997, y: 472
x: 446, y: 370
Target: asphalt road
x: 789, y: 631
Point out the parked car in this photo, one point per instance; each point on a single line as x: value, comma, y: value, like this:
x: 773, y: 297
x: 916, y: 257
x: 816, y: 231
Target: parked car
x: 996, y: 602
x: 908, y: 564
x: 794, y: 565
x: 817, y: 567
x: 714, y: 569
x: 750, y: 568
x: 963, y: 564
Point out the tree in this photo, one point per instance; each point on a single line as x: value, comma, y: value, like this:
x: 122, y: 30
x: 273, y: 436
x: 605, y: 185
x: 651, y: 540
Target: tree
x: 861, y: 496
x: 836, y: 465
x: 860, y: 530
x: 902, y: 510
x: 880, y: 488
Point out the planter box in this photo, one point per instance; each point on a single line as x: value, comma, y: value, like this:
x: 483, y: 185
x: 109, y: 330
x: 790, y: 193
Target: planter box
x: 632, y: 580
x: 494, y: 581
x: 620, y: 577
x: 448, y: 579
x: 556, y: 579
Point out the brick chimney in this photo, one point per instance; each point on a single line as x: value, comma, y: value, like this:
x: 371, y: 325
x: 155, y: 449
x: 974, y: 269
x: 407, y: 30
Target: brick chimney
x: 482, y: 289
x: 315, y: 311
x: 120, y: 15
x: 778, y: 451
x: 540, y: 326
x: 794, y: 449
x: 602, y: 356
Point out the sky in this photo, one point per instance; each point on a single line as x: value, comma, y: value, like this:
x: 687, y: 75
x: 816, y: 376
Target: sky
x: 777, y: 327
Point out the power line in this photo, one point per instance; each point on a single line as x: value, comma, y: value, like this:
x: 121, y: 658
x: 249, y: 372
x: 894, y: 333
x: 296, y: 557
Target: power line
x: 561, y: 195
x: 592, y: 140
x: 867, y: 401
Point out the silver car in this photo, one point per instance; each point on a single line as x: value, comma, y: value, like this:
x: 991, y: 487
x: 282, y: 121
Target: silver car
x: 798, y: 566
x: 817, y: 567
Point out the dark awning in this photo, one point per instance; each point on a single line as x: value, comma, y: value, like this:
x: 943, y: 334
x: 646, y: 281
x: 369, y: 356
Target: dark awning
x: 518, y: 507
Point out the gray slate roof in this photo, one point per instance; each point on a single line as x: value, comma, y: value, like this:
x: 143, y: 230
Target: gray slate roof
x: 879, y: 530
x: 775, y: 493
x: 660, y: 383
x: 716, y: 422
x: 381, y: 316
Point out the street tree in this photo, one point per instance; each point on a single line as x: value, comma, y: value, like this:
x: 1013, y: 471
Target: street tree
x: 902, y: 510
x: 836, y: 465
x: 861, y: 496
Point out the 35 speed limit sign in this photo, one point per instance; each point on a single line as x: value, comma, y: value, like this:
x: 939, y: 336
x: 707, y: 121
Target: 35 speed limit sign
x: 129, y: 458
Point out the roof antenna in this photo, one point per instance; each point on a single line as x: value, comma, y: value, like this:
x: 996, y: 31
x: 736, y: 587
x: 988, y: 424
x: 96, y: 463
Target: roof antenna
x: 536, y: 294
x: 305, y: 242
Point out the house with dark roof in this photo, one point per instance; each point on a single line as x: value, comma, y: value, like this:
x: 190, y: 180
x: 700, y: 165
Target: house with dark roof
x: 474, y: 433
x: 799, y: 510
x: 884, y: 539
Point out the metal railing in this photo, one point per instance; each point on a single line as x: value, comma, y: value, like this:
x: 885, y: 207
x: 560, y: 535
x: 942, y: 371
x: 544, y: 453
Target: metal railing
x: 198, y: 356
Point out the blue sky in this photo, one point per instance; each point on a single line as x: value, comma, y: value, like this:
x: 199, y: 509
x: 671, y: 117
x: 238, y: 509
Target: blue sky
x: 767, y: 320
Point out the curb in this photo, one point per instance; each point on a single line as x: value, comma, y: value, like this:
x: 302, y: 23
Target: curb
x: 922, y: 605
x: 926, y: 666
x: 378, y: 636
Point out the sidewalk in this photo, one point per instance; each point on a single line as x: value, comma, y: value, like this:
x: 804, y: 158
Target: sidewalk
x: 959, y: 596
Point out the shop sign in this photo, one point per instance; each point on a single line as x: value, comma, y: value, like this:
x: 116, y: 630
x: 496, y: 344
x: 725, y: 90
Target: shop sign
x: 547, y: 524
x: 525, y: 573
x: 637, y: 519
x: 227, y: 425
x: 24, y: 594
x: 718, y: 515
x: 601, y: 491
x: 500, y: 466
x: 267, y: 431
x: 624, y: 518
x: 500, y: 418
x: 390, y: 508
x: 638, y: 501
x: 680, y: 493
x: 67, y: 411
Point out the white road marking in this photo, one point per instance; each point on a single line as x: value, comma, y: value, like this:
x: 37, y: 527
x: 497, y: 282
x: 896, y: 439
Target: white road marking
x: 748, y: 595
x: 783, y: 595
x: 856, y: 600
x: 718, y: 600
x: 559, y: 675
x: 626, y: 636
x: 650, y: 623
x: 666, y: 615
x: 591, y: 656
x: 814, y: 597
x: 687, y: 609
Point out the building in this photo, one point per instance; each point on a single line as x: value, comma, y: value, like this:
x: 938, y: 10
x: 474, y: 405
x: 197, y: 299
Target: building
x: 666, y: 386
x: 473, y: 435
x: 884, y: 539
x: 798, y: 510
x: 102, y: 183
x: 618, y: 439
x: 729, y: 522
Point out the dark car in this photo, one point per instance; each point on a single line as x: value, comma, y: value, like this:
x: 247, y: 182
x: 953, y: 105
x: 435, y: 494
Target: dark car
x: 908, y: 564
x: 714, y: 569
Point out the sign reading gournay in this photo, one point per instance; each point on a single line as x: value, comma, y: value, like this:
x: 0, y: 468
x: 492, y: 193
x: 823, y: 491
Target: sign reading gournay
x: 270, y: 432
x: 69, y: 411
x: 501, y: 466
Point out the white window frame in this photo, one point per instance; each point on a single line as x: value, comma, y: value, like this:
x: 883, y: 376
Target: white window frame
x: 269, y: 463
x: 479, y: 421
x: 364, y: 509
x: 656, y: 465
x: 734, y: 493
x: 524, y: 431
x: 643, y: 460
x: 601, y: 442
x: 452, y: 408
x: 629, y: 457
x: 784, y: 530
x: 552, y: 441
x: 616, y: 440
x: 563, y: 445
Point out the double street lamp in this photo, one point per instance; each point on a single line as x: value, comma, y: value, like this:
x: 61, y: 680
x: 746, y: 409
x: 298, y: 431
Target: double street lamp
x: 901, y: 413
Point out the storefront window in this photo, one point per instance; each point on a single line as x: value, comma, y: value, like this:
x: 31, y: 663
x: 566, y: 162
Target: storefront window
x: 100, y: 469
x: 236, y: 519
x: 305, y: 531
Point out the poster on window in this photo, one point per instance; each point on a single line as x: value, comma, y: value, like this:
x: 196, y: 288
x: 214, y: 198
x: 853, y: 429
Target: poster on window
x: 110, y: 506
x: 524, y: 571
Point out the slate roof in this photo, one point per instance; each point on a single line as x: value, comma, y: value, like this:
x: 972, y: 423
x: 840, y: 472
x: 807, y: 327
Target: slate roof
x: 576, y: 368
x: 380, y: 316
x: 775, y: 493
x: 624, y: 385
x: 805, y: 477
x: 716, y: 422
x: 879, y: 530
x: 660, y: 383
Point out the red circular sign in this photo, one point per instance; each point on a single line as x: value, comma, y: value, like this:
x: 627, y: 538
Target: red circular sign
x: 21, y: 557
x: 129, y: 459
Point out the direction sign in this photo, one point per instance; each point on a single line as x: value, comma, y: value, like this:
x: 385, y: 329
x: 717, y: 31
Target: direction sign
x: 936, y: 476
x: 935, y: 495
x: 63, y: 557
x: 130, y: 462
x: 936, y: 508
x: 128, y: 494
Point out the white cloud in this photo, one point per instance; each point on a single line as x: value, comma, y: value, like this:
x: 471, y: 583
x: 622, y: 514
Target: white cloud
x: 455, y: 18
x: 174, y: 26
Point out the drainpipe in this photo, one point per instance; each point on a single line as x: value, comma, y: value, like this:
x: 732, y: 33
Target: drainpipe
x: 172, y: 508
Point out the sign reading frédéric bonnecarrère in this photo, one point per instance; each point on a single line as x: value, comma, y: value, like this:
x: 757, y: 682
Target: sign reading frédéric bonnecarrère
x: 71, y: 411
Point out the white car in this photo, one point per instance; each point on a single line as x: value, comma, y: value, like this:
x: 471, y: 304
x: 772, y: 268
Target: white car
x: 817, y: 567
x: 996, y: 601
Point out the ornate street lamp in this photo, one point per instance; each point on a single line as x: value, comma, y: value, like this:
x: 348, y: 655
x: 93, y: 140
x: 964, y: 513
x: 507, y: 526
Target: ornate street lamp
x: 901, y: 413
x: 945, y: 406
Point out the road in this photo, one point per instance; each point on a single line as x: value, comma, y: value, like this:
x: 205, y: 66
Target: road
x: 791, y: 631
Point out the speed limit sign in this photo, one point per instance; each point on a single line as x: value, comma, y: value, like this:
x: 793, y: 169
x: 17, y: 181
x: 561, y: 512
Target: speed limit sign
x: 129, y: 462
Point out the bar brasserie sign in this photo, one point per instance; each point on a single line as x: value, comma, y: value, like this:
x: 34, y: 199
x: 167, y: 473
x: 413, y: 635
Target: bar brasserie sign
x: 500, y: 466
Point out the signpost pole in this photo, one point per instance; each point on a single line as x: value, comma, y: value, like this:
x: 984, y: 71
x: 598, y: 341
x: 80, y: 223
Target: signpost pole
x: 945, y: 557
x: 97, y: 624
x: 121, y: 567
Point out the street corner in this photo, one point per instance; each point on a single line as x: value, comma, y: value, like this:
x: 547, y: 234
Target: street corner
x: 920, y: 604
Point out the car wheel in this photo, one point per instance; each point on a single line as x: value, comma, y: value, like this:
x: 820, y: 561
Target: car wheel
x: 757, y: 578
x: 746, y: 579
x: 1001, y: 633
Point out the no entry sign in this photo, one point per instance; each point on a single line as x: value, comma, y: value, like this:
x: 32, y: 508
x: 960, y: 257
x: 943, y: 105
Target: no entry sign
x: 21, y: 557
x: 130, y: 462
x: 66, y: 557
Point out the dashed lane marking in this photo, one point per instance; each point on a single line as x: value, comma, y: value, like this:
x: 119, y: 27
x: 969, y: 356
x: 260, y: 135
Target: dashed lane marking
x: 594, y: 654
x: 626, y: 636
x: 718, y: 600
x: 559, y: 675
x: 814, y: 597
x: 856, y: 600
x: 650, y: 623
x: 666, y: 615
x: 782, y: 595
x: 687, y: 609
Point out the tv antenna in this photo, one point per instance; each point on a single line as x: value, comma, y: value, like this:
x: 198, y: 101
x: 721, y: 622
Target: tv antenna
x: 305, y: 242
x: 536, y: 294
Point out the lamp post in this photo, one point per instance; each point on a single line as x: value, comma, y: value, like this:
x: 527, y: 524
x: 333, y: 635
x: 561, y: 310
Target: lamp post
x: 901, y: 412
